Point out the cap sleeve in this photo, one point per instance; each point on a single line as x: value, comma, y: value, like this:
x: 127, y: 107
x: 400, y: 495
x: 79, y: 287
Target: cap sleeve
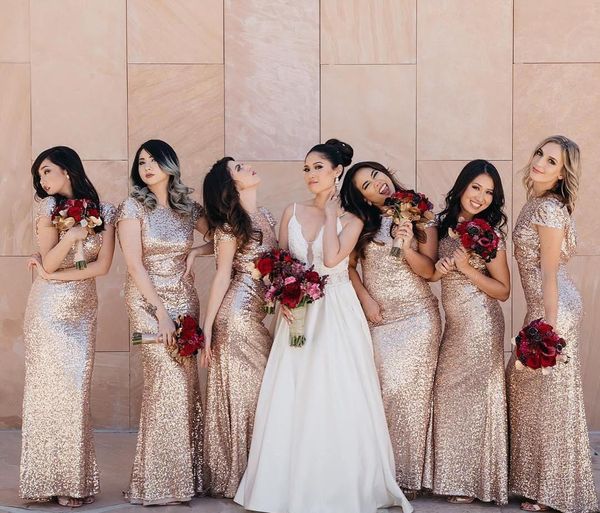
x: 267, y: 213
x: 501, y: 241
x: 45, y: 208
x: 109, y: 213
x: 129, y: 209
x: 223, y: 234
x: 551, y: 213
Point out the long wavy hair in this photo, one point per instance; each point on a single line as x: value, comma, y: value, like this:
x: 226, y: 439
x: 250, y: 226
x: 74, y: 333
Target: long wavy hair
x: 567, y: 188
x: 222, y: 205
x: 67, y: 159
x: 493, y: 214
x: 354, y: 202
x: 166, y: 158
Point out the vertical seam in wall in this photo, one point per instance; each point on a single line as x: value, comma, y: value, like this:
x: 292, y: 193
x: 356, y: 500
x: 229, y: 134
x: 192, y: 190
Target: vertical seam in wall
x: 129, y: 426
x: 320, y: 88
x: 32, y: 238
x: 416, y: 92
x: 224, y: 88
x: 512, y: 149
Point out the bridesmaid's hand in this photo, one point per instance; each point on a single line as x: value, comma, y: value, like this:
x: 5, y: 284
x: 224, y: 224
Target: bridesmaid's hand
x: 77, y: 233
x: 35, y: 260
x: 372, y: 310
x: 461, y: 259
x: 166, y: 329
x: 189, y: 263
x: 404, y: 231
x: 444, y: 265
x: 206, y: 354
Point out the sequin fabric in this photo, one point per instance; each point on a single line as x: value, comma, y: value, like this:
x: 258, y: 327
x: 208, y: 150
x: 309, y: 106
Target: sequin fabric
x: 168, y: 454
x: 241, y: 346
x: 406, y: 348
x: 550, y: 451
x: 470, y: 446
x: 58, y: 456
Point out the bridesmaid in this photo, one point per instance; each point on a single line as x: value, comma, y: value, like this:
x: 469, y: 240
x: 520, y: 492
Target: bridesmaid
x: 549, y: 446
x: 469, y: 400
x: 156, y: 231
x: 237, y: 343
x: 58, y: 458
x: 403, y: 314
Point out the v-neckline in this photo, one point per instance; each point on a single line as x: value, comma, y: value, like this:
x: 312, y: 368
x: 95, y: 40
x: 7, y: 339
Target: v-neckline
x: 309, y: 242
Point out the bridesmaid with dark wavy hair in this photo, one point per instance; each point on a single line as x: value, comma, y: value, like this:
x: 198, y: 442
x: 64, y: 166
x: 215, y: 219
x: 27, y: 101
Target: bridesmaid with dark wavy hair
x: 237, y: 343
x: 402, y: 311
x: 470, y: 432
x: 549, y: 445
x: 58, y: 458
x: 156, y: 231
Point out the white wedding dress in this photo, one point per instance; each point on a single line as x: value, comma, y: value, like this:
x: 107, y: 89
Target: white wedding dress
x: 320, y: 441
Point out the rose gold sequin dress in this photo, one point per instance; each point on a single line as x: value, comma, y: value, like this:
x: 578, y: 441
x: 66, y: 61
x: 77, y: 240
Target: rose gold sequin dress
x: 406, y: 348
x: 167, y: 460
x: 470, y: 446
x: 58, y: 456
x: 241, y: 346
x: 549, y: 446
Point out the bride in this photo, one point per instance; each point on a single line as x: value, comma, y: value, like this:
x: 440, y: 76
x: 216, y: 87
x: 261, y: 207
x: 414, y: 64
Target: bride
x: 320, y: 441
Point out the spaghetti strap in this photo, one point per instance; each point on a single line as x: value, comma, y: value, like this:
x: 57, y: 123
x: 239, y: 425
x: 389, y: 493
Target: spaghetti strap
x: 294, y: 211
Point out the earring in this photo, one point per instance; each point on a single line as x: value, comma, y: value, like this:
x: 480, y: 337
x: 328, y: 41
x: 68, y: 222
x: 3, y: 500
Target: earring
x: 337, y: 185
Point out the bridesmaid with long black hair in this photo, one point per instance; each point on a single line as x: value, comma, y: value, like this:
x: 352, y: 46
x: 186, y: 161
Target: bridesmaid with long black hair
x: 549, y: 445
x: 58, y: 458
x: 402, y: 311
x: 156, y: 231
x: 237, y: 343
x: 470, y: 443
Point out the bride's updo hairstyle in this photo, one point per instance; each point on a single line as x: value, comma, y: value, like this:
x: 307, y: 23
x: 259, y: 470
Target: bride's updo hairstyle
x: 336, y: 152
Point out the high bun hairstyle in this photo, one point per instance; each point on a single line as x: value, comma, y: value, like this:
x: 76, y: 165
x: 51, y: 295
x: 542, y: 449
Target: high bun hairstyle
x: 337, y: 152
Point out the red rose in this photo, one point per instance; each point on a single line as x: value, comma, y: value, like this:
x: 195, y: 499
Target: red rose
x: 312, y: 276
x: 423, y: 206
x: 75, y: 213
x: 265, y: 266
x: 292, y: 294
x: 93, y: 212
x: 534, y: 361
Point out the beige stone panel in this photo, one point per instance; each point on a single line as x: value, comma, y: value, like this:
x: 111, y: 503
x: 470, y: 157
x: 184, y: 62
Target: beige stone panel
x: 16, y: 282
x: 177, y: 31
x: 183, y: 105
x: 110, y: 390
x: 79, y: 80
x: 16, y: 189
x: 373, y: 109
x: 557, y: 31
x: 271, y: 78
x: 110, y: 178
x: 362, y: 32
x: 464, y: 80
x: 436, y: 178
x: 584, y: 271
x: 14, y: 31
x: 555, y: 99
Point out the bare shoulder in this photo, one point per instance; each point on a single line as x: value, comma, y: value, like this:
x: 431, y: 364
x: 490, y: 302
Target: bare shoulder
x: 349, y: 219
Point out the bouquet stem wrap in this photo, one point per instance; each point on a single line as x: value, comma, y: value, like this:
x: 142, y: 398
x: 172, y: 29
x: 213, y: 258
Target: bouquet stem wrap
x: 297, y: 337
x: 397, y: 247
x: 80, y: 262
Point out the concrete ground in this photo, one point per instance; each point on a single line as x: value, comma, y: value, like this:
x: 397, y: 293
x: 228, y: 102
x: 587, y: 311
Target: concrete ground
x: 115, y: 454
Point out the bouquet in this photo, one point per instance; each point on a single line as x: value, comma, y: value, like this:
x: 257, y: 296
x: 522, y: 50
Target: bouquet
x: 477, y: 236
x: 290, y: 282
x: 539, y: 346
x: 411, y: 206
x: 189, y: 339
x: 71, y: 212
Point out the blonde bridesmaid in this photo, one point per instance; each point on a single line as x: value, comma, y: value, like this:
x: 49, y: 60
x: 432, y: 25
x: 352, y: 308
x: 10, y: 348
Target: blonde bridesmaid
x: 402, y: 311
x: 58, y: 458
x: 469, y: 401
x: 237, y: 342
x: 156, y: 230
x: 549, y: 451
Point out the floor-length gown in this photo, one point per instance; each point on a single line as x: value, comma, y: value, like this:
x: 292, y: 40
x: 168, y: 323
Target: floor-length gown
x: 58, y: 456
x: 167, y: 464
x: 470, y: 431
x: 549, y: 445
x: 320, y: 441
x: 406, y: 345
x: 241, y: 346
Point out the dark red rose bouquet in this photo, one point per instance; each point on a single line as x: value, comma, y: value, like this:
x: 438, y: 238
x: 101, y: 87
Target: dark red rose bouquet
x: 478, y: 236
x: 189, y: 339
x: 291, y: 282
x: 71, y: 212
x: 412, y: 206
x: 539, y: 346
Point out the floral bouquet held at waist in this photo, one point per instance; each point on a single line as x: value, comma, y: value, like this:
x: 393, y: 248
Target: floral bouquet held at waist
x: 410, y: 206
x: 72, y: 212
x: 478, y: 236
x: 292, y: 283
x: 189, y: 339
x: 539, y: 346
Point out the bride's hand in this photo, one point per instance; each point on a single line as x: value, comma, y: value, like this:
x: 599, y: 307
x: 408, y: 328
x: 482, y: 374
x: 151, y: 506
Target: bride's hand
x: 287, y: 313
x: 332, y: 206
